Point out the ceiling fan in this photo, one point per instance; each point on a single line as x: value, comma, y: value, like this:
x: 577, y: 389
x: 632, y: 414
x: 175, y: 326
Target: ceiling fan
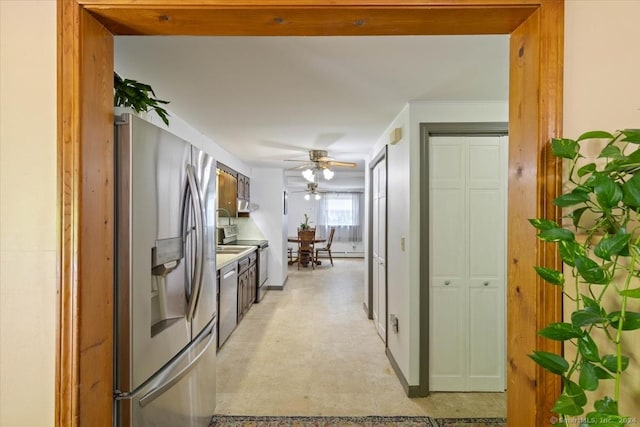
x: 312, y: 191
x: 319, y: 161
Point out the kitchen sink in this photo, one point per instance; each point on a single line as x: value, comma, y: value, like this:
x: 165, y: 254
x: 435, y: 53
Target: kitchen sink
x: 232, y: 249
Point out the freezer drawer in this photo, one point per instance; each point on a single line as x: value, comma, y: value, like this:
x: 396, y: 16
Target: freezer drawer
x: 182, y: 394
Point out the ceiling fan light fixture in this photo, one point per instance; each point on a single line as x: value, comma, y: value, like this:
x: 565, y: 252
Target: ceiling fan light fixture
x: 308, y: 175
x: 327, y: 173
x: 317, y: 197
x: 307, y: 196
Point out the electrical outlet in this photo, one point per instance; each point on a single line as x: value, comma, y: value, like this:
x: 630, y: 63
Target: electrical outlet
x: 394, y: 323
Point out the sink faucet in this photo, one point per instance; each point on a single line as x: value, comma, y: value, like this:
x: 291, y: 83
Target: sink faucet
x: 227, y: 212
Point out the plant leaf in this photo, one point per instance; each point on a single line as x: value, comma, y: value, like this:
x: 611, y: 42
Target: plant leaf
x: 631, y: 320
x: 631, y: 293
x: 602, y: 374
x: 569, y: 250
x: 556, y: 235
x: 565, y: 148
x: 590, y: 303
x: 606, y: 406
x: 570, y: 199
x: 587, y: 169
x: 599, y: 134
x: 631, y: 191
x: 611, y: 151
x: 590, y: 271
x: 576, y: 215
x: 550, y: 361
x: 543, y: 224
x: 575, y: 391
x: 586, y: 316
x: 611, y: 245
x: 588, y: 379
x: 631, y: 135
x: 560, y: 331
x: 134, y: 94
x: 588, y: 348
x: 609, y: 361
x: 550, y: 275
x: 566, y: 405
x: 608, y: 193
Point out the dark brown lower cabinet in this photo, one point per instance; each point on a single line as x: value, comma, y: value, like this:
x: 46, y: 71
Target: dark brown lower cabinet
x: 247, y: 282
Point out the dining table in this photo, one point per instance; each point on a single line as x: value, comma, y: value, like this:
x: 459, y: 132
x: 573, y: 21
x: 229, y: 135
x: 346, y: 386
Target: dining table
x: 304, y: 260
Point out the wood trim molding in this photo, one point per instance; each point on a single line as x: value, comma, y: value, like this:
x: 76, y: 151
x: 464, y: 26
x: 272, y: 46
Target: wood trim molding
x: 84, y: 383
x: 317, y: 19
x: 84, y: 355
x: 535, y: 87
x: 549, y: 302
x: 68, y: 159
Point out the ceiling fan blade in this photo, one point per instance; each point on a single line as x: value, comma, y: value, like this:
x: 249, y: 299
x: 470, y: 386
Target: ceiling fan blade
x: 341, y: 164
x: 293, y: 160
x: 300, y: 167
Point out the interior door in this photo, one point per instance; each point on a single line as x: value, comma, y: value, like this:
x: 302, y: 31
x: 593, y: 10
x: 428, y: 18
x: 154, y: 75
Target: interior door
x: 379, y: 185
x: 467, y: 228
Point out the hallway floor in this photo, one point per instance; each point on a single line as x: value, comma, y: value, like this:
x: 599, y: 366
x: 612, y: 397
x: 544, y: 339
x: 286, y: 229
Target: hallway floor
x: 310, y: 350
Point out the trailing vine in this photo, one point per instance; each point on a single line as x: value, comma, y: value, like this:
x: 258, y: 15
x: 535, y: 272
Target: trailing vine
x: 601, y: 265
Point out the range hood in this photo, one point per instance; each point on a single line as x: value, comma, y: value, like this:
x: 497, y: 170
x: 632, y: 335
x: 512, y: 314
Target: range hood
x: 246, y: 206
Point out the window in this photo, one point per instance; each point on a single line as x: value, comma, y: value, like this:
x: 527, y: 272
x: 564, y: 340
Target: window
x: 344, y: 212
x: 340, y: 212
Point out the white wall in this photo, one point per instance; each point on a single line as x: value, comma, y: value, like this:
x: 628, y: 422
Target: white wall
x: 28, y: 229
x: 267, y: 190
x: 184, y: 130
x: 403, y: 217
x: 298, y: 206
x: 602, y: 92
x: 398, y: 215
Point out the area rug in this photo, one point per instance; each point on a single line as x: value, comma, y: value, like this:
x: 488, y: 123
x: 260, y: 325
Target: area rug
x: 369, y: 421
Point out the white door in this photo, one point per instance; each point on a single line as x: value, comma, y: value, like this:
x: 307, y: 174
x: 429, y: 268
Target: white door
x: 379, y: 201
x: 467, y: 249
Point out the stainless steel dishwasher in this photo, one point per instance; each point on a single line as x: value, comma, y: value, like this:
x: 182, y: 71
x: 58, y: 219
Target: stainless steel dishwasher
x: 227, y: 317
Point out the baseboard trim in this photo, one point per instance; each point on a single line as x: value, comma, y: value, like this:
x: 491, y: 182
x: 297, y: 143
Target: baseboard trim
x: 410, y: 390
x: 278, y: 287
x: 366, y: 309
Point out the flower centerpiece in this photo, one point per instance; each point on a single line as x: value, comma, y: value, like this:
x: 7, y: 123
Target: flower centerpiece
x: 306, y: 224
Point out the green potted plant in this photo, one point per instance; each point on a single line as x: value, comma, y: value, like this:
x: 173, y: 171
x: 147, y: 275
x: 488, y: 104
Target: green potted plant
x: 600, y: 249
x: 306, y: 224
x: 133, y: 94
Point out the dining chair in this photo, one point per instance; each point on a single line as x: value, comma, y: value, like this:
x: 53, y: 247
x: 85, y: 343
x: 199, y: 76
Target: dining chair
x: 327, y: 248
x: 306, y: 247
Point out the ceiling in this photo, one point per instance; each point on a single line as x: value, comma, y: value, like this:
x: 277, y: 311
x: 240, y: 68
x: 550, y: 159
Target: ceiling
x: 267, y: 99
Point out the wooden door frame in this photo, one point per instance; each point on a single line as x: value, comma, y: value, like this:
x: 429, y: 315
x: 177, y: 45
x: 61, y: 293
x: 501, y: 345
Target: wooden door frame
x: 84, y: 376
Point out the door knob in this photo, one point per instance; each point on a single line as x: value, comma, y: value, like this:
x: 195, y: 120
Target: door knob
x: 447, y: 282
x: 486, y: 283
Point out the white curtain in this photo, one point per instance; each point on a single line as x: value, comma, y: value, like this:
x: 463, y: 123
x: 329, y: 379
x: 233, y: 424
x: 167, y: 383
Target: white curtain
x: 344, y: 212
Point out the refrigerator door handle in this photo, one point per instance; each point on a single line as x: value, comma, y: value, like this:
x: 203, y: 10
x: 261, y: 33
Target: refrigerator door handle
x: 196, y: 280
x: 154, y: 393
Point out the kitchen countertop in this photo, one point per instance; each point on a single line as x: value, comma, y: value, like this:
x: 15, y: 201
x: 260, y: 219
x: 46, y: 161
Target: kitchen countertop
x: 224, y: 259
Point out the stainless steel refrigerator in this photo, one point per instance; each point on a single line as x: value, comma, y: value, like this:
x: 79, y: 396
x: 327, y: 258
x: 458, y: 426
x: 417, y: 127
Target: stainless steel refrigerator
x: 165, y: 314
